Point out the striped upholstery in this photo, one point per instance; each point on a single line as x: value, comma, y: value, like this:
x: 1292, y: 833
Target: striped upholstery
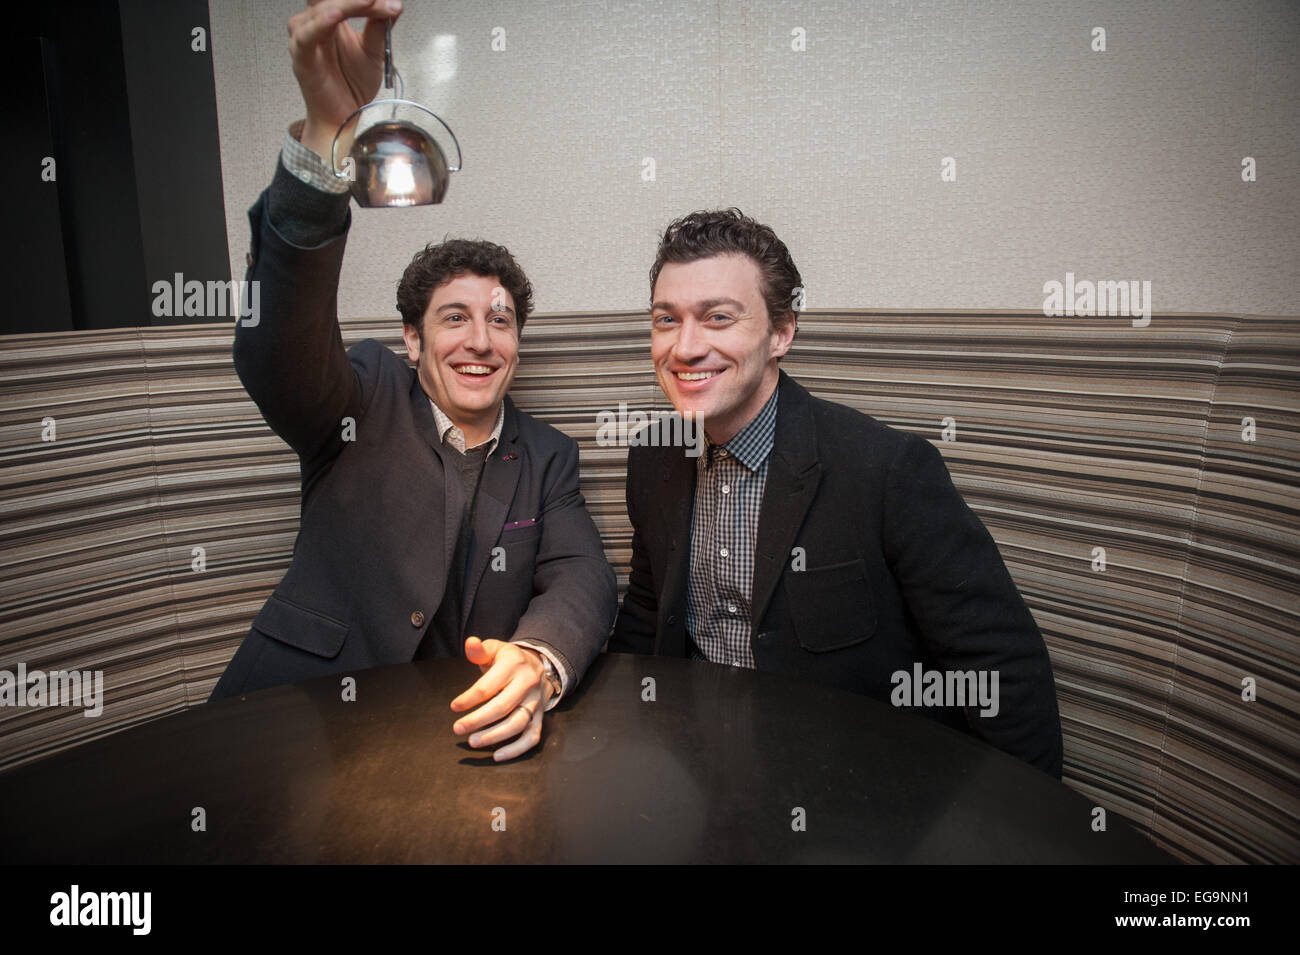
x: 1240, y: 618
x: 1071, y: 434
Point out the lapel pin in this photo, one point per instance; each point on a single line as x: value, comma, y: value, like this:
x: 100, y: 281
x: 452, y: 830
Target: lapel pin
x: 509, y: 456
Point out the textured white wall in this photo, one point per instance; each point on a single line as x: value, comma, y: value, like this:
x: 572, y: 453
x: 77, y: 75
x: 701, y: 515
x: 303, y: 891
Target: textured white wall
x: 1117, y: 165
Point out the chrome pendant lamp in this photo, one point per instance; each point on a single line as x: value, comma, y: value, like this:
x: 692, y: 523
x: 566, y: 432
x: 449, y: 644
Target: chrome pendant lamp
x: 393, y: 162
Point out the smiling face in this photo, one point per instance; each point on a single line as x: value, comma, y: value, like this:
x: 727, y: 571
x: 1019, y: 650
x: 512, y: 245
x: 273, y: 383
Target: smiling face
x: 714, y: 348
x: 469, y: 353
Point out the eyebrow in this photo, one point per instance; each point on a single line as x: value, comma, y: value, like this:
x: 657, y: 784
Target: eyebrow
x: 465, y: 308
x: 705, y: 305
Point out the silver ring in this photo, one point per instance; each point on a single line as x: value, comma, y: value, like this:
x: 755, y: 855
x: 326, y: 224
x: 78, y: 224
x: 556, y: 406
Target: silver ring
x: 530, y: 713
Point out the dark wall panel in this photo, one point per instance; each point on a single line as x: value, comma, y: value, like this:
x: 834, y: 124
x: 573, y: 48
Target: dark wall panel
x: 177, y: 152
x: 118, y: 96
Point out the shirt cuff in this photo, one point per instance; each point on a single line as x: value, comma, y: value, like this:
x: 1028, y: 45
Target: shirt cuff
x: 306, y: 216
x: 307, y: 165
x: 556, y: 661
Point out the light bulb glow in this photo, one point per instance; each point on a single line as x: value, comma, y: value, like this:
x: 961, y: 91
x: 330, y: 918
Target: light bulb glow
x: 398, y: 177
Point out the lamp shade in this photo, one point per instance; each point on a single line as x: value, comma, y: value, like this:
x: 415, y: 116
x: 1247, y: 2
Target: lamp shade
x: 394, y: 161
x: 398, y: 164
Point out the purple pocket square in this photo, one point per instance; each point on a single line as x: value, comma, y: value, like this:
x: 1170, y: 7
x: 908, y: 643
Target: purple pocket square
x: 517, y: 524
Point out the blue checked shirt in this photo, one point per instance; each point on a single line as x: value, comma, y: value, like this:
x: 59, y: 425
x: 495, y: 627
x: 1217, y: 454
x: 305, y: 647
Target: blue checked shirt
x: 729, y: 484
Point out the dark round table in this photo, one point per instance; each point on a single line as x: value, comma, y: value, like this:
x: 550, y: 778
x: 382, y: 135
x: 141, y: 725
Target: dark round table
x: 724, y: 765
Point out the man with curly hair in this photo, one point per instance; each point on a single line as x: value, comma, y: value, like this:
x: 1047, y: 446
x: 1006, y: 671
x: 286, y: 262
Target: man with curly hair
x: 437, y: 518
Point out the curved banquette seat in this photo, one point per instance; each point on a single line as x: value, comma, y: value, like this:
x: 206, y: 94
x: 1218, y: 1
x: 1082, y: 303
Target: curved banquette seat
x: 1142, y: 484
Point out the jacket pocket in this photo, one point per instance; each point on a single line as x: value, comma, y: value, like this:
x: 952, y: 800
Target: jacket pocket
x: 520, y: 535
x: 831, y: 606
x: 299, y: 627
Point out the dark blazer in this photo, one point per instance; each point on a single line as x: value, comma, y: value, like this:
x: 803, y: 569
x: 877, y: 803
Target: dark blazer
x: 896, y: 570
x: 381, y: 512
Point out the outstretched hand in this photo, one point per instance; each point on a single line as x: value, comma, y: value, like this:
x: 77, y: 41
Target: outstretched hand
x: 514, y: 694
x: 339, y: 70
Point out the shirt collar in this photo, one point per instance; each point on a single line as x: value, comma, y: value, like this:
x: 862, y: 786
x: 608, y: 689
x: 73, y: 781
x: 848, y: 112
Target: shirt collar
x: 454, y: 436
x: 753, y: 443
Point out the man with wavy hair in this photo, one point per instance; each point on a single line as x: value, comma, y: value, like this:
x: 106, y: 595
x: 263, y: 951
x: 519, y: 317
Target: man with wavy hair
x: 434, y: 512
x: 809, y: 539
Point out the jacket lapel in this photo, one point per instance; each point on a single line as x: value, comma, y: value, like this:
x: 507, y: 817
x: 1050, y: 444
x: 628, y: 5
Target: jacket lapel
x: 793, y: 475
x: 678, y: 495
x: 496, y: 490
x: 453, y: 492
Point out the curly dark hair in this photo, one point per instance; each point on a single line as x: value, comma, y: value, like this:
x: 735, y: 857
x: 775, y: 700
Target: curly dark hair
x: 440, y: 262
x: 701, y: 235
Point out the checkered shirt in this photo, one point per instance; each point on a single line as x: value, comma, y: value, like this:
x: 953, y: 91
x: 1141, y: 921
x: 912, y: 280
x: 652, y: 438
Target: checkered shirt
x: 306, y: 165
x: 455, y: 437
x: 729, y: 486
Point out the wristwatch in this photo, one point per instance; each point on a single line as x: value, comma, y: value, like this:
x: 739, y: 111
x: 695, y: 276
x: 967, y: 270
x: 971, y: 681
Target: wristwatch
x: 553, y: 678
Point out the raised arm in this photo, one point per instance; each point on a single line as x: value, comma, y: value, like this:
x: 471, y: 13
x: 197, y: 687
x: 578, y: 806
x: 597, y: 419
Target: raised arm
x: 289, y: 353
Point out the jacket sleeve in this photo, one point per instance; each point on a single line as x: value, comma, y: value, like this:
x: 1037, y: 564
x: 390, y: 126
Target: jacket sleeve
x: 970, y: 614
x: 289, y: 353
x: 574, y: 592
x: 638, y: 619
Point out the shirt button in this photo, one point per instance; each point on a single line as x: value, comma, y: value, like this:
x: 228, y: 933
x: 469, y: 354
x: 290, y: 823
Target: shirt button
x: 726, y: 489
x: 724, y: 552
x: 305, y: 176
x: 731, y: 608
x: 417, y: 618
